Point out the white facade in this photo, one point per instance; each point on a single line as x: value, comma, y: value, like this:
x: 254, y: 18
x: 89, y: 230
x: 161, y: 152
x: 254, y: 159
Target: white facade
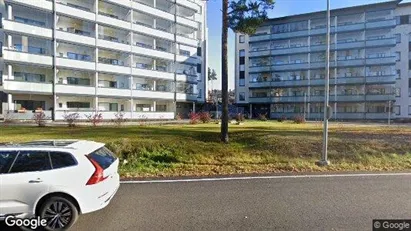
x: 280, y: 70
x: 145, y: 58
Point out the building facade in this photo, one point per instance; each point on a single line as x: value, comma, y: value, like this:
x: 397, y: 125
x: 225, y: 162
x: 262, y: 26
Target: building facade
x: 280, y: 70
x: 143, y: 58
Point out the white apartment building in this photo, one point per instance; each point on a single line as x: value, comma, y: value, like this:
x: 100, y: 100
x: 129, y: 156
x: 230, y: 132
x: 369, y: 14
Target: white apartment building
x: 144, y: 58
x: 280, y: 70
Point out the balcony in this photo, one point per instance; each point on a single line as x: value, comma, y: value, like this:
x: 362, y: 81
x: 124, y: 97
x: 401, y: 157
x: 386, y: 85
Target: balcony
x: 152, y: 94
x: 289, y: 83
x: 350, y: 27
x: 41, y: 5
x: 12, y: 26
x: 149, y: 30
x: 381, y: 60
x: 187, y: 41
x: 290, y: 50
x: 75, y: 89
x: 13, y: 86
x: 290, y: 66
x: 386, y: 97
x: 381, y: 79
x: 189, y: 4
x: 112, y: 20
x: 113, y: 43
x: 259, y: 53
x: 15, y: 56
x: 260, y: 68
x: 381, y: 24
x: 184, y: 97
x: 112, y: 66
x: 260, y: 38
x: 381, y: 42
x: 71, y: 9
x: 114, y: 92
x: 152, y: 73
x: 350, y: 62
x: 76, y: 36
x: 187, y: 22
x: 348, y: 80
x: 187, y: 78
x: 349, y: 45
x: 152, y: 11
x: 75, y: 63
x: 140, y: 49
x: 347, y: 98
x: 261, y: 84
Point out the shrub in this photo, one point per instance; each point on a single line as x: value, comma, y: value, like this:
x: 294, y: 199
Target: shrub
x: 262, y: 117
x: 40, y: 119
x: 205, y: 117
x: 194, y: 117
x: 299, y: 119
x: 282, y: 118
x: 119, y: 120
x: 178, y: 116
x: 95, y: 118
x: 71, y: 118
x: 239, y: 118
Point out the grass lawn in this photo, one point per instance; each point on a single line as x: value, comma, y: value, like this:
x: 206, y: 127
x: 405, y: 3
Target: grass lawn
x: 255, y: 147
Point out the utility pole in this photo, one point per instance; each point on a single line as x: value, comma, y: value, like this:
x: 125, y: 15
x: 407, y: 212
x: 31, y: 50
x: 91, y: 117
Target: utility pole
x: 305, y: 102
x: 389, y: 112
x: 327, y: 109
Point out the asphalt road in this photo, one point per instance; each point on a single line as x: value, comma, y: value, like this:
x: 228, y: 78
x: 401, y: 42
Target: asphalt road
x: 326, y: 203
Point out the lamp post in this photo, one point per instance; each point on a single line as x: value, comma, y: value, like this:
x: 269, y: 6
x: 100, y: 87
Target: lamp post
x: 327, y: 109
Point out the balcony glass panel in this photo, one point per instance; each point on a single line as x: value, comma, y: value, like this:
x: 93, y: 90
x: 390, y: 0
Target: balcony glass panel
x: 86, y: 5
x: 83, y: 53
x: 113, y: 58
x: 113, y: 11
x: 74, y: 77
x: 143, y: 19
x: 113, y: 35
x: 35, y: 18
x: 76, y: 26
x: 30, y: 45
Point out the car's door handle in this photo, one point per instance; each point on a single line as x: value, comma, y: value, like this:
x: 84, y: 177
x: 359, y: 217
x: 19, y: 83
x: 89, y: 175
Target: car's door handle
x: 35, y: 181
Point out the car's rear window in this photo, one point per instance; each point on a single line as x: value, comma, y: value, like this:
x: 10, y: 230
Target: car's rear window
x: 103, y: 157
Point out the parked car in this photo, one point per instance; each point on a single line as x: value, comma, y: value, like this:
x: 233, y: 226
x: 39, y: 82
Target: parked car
x: 56, y: 180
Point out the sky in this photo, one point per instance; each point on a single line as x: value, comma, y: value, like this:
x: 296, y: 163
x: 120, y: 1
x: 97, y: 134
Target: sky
x: 282, y: 8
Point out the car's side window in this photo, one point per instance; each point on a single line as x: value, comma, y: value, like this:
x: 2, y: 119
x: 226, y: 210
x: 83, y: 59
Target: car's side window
x: 6, y: 159
x: 31, y: 161
x: 61, y: 160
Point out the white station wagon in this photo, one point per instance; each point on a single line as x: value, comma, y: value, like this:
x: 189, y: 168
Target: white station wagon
x: 56, y: 180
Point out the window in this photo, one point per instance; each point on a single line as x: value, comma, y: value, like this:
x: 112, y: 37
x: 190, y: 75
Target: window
x: 6, y: 159
x: 409, y: 46
x: 242, y: 75
x: 397, y: 110
x: 78, y: 81
x: 241, y: 96
x: 242, y: 38
x: 242, y: 67
x: 29, y: 77
x: 409, y: 110
x: 198, y: 51
x: 242, y: 82
x: 242, y: 60
x: 198, y: 68
x: 61, y: 160
x: 103, y: 157
x: 78, y: 105
x: 31, y: 104
x: 409, y: 64
x: 143, y: 107
x: 30, y: 161
x: 398, y: 56
x: 242, y: 53
x: 404, y: 19
x: 113, y: 107
x: 398, y: 37
x: 397, y: 92
x: 398, y: 74
x: 161, y: 108
x: 199, y: 93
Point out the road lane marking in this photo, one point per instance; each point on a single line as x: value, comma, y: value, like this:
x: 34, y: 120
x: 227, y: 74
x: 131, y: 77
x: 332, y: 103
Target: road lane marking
x: 264, y: 177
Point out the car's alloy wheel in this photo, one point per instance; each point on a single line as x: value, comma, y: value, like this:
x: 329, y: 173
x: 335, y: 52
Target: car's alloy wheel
x: 59, y: 212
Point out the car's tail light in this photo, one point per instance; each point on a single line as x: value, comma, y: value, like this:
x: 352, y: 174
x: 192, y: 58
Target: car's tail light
x: 98, y: 173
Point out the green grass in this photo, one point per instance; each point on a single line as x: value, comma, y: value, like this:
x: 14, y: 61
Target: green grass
x: 255, y: 147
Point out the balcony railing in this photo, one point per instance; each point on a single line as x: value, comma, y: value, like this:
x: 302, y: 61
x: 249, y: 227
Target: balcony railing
x: 31, y: 49
x: 76, y: 31
x: 113, y: 39
x: 111, y: 61
x: 75, y: 6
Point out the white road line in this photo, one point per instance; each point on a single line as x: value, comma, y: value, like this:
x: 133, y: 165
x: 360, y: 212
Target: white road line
x: 264, y: 177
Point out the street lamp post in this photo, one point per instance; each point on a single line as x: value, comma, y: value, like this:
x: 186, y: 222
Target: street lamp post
x: 327, y: 109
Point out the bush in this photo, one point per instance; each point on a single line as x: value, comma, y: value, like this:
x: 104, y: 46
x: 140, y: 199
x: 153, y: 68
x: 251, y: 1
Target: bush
x: 194, y: 117
x: 40, y: 119
x: 205, y: 117
x: 178, y: 116
x: 71, y: 118
x: 282, y: 118
x: 262, y: 117
x: 239, y: 118
x: 299, y: 119
x: 95, y: 118
x: 119, y: 120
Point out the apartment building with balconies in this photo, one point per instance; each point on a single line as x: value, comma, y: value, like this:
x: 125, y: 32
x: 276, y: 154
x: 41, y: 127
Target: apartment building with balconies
x: 143, y: 58
x: 280, y: 70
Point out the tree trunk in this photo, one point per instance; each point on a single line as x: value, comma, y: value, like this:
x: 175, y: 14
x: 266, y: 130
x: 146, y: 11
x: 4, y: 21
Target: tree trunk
x: 224, y: 74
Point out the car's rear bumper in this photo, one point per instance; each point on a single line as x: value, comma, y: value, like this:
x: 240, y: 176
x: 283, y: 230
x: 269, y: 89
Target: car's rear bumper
x: 99, y: 198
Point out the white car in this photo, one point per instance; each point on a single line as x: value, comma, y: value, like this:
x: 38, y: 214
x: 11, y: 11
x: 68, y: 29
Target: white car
x: 56, y: 180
